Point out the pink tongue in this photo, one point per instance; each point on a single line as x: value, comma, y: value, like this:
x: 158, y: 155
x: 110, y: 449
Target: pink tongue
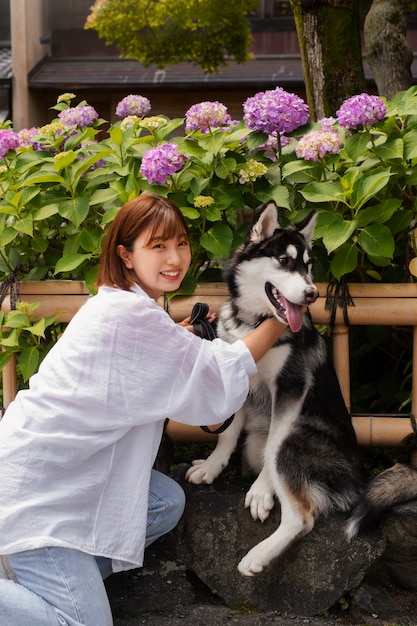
x: 294, y: 316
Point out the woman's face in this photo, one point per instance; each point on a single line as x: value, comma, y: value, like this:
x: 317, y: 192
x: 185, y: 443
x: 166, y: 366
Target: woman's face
x: 159, y: 265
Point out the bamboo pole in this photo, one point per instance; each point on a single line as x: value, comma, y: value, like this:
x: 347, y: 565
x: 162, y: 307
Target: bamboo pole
x: 394, y: 304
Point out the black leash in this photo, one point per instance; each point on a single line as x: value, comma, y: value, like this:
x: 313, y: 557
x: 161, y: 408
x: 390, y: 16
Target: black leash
x: 207, y: 330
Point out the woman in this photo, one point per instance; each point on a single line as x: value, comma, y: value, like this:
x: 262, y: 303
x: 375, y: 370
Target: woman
x: 78, y: 496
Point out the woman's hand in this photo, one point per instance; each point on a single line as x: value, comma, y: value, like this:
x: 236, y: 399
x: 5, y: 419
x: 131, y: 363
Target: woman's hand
x: 210, y: 317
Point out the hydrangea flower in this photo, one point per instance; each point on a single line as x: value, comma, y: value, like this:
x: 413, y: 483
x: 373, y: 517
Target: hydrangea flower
x: 9, y: 140
x: 160, y: 162
x: 81, y: 115
x: 327, y: 122
x: 361, y: 110
x: 129, y: 121
x: 251, y: 171
x: 275, y: 111
x: 317, y: 144
x: 26, y: 137
x: 154, y: 121
x: 54, y: 129
x: 66, y: 97
x: 203, y: 202
x: 133, y: 105
x: 206, y: 115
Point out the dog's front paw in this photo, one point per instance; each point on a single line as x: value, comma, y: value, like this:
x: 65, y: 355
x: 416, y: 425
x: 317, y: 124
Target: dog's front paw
x: 201, y: 473
x: 260, y: 503
x: 251, y: 564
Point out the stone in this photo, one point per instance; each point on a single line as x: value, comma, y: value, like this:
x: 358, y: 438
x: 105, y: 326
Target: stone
x: 216, y: 531
x: 399, y: 528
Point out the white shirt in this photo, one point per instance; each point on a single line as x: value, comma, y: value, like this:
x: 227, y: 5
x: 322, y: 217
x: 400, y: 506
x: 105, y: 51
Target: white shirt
x: 77, y: 447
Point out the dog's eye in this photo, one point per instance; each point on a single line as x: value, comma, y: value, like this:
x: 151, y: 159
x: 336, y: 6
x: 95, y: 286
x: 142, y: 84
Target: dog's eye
x: 283, y: 260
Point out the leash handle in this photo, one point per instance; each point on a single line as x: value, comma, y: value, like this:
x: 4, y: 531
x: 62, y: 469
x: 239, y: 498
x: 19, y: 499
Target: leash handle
x: 203, y: 328
x: 221, y: 428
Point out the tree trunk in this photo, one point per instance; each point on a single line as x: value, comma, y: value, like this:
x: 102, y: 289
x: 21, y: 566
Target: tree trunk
x: 387, y: 50
x: 330, y: 42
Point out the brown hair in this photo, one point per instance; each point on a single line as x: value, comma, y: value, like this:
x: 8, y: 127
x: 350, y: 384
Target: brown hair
x: 143, y: 212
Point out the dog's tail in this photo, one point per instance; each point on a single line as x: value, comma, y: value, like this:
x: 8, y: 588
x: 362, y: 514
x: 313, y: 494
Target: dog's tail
x: 394, y: 485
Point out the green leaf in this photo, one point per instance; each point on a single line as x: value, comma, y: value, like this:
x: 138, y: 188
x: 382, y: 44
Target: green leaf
x: 256, y: 139
x: 71, y: 262
x: 344, y: 261
x: 12, y: 340
x: 28, y: 362
x: 64, y: 159
x: 75, y: 210
x: 16, y: 319
x: 378, y: 213
x: 366, y: 187
x: 410, y: 144
x: 213, y: 213
x: 279, y: 194
x: 116, y: 135
x: 356, y: 146
x: 377, y: 240
x: 103, y: 196
x: 327, y: 191
x: 300, y: 171
x: 392, y: 149
x: 89, y: 240
x: 6, y: 236
x: 46, y: 211
x: 212, y: 142
x: 47, y: 177
x: 224, y: 168
x: 4, y: 358
x: 38, y: 328
x: 190, y: 212
x: 338, y: 233
x: 218, y: 240
x: 24, y: 225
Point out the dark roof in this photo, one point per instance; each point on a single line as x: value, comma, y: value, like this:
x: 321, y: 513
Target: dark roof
x: 114, y: 74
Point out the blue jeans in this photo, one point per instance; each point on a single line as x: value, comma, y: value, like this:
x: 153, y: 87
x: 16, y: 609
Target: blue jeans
x: 60, y: 586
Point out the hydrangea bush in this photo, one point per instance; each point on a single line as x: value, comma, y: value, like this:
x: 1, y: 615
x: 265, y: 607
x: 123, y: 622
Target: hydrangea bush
x: 62, y: 184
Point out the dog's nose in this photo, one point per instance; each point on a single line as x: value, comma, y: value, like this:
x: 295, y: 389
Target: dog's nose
x: 311, y: 294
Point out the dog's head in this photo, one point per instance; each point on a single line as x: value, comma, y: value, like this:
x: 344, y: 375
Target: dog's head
x: 271, y: 271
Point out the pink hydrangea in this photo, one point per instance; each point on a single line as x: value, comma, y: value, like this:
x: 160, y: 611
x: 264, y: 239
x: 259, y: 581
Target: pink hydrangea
x: 361, y: 110
x: 81, y: 115
x: 160, y: 162
x: 9, y: 140
x: 206, y: 115
x: 133, y: 105
x: 275, y: 111
x: 317, y: 144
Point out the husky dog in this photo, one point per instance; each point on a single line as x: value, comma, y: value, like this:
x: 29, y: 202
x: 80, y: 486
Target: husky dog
x: 300, y: 441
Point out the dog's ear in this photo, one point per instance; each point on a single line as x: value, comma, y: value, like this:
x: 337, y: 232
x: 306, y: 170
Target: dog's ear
x: 265, y: 223
x: 307, y: 225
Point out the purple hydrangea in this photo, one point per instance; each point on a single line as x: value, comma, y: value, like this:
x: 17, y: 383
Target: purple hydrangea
x: 81, y: 115
x: 9, y: 140
x: 133, y: 105
x: 161, y: 161
x: 206, y: 115
x: 317, y: 144
x: 361, y: 110
x: 275, y: 111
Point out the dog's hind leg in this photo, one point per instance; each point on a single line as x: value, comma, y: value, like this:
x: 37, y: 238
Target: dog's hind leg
x: 204, y: 471
x: 297, y: 520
